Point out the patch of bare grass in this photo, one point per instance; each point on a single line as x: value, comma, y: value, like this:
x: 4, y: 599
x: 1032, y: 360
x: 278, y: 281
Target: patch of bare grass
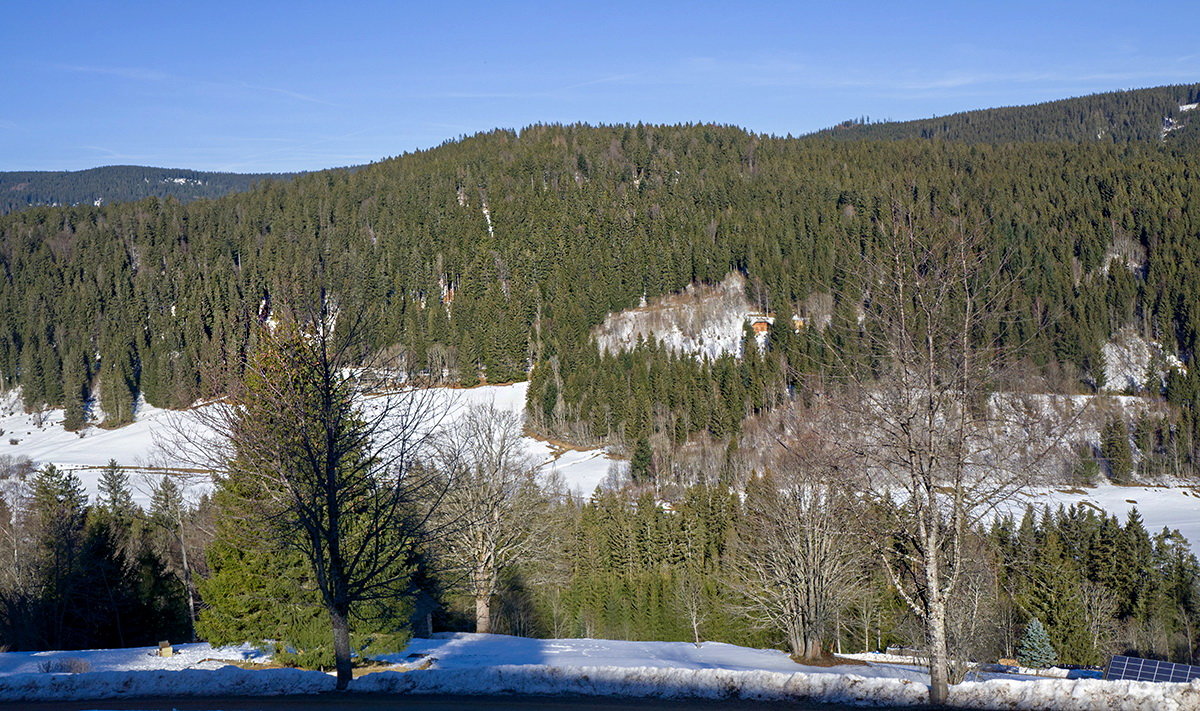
x: 64, y: 665
x: 829, y: 660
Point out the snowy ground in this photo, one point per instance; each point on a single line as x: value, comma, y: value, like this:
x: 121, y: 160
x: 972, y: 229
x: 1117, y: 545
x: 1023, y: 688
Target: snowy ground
x: 138, y: 445
x: 496, y: 664
x: 474, y: 651
x: 187, y: 656
x: 1176, y: 507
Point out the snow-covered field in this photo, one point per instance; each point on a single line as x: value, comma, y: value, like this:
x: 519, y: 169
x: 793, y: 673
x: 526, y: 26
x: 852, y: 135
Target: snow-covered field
x: 1176, y: 507
x: 187, y: 656
x: 473, y: 651
x: 496, y: 664
x: 138, y: 445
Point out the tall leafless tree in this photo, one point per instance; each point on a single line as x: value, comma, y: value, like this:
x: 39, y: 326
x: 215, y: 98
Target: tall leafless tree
x: 801, y: 552
x: 918, y: 410
x: 494, y: 504
x: 690, y: 600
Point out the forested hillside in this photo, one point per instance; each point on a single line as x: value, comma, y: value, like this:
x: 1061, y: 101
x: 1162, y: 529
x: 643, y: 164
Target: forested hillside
x: 119, y: 183
x: 1139, y: 116
x: 486, y: 257
x: 946, y: 279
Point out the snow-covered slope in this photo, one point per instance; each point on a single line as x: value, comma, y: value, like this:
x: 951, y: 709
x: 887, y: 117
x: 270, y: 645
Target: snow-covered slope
x: 139, y: 445
x: 1175, y: 507
x: 702, y: 320
x: 1129, y: 360
x: 41, y: 437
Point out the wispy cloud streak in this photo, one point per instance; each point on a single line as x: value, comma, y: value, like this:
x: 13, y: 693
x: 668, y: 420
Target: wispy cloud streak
x: 134, y: 73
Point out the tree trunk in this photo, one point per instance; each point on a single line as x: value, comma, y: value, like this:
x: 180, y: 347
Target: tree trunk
x: 483, y: 586
x: 812, y: 648
x: 939, y: 672
x: 341, y: 647
x: 187, y: 584
x: 483, y: 613
x: 837, y: 629
x: 795, y: 641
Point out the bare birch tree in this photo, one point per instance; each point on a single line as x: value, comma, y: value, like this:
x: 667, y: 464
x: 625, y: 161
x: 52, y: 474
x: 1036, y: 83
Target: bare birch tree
x: 1099, y: 606
x: 689, y: 598
x: 493, y: 500
x: 942, y: 453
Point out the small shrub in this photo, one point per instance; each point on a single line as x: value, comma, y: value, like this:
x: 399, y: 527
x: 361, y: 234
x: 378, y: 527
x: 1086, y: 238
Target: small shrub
x: 1035, y: 649
x: 64, y: 665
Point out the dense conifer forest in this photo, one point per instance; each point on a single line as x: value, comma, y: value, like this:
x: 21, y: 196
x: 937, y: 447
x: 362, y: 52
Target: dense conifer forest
x: 119, y: 183
x: 492, y: 257
x: 1139, y: 116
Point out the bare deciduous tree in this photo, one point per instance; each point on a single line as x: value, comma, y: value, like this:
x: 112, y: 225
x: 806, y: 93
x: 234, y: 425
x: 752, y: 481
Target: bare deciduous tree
x: 689, y: 597
x: 972, y: 629
x: 942, y: 453
x: 1100, y: 616
x: 493, y: 501
x: 802, y: 553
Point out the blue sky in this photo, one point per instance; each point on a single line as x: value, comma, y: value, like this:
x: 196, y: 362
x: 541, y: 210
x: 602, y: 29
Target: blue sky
x: 279, y: 86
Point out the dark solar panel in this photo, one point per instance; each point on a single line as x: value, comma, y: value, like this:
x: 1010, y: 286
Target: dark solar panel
x: 1135, y: 669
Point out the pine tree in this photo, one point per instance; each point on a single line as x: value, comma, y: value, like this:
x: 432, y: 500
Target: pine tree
x: 313, y: 474
x: 115, y: 497
x: 258, y: 592
x: 641, y: 466
x: 58, y: 508
x: 1035, y: 649
x: 1114, y: 445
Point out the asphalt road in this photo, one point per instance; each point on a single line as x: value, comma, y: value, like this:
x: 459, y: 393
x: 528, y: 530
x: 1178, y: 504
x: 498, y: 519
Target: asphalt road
x: 381, y: 702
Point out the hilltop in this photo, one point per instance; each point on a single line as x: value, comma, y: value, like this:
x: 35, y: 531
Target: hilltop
x: 1158, y: 115
x: 119, y: 183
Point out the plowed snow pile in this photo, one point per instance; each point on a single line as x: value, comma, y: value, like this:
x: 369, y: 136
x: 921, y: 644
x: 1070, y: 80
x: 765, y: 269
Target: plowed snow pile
x: 496, y: 664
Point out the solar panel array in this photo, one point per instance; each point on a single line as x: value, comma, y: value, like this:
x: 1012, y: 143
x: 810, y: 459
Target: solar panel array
x: 1135, y: 669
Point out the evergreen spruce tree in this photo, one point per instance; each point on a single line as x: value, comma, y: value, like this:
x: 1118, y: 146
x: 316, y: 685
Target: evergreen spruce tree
x: 115, y: 498
x: 641, y: 466
x: 258, y: 592
x: 1114, y: 445
x: 1035, y: 649
x: 310, y: 474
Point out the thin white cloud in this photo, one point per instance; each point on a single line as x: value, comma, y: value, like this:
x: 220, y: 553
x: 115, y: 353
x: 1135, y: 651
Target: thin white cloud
x: 113, y: 157
x: 293, y: 151
x: 135, y: 73
x: 289, y: 93
x: 615, y: 78
x: 491, y: 95
x: 789, y: 71
x: 548, y: 93
x: 965, y: 80
x: 154, y: 75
